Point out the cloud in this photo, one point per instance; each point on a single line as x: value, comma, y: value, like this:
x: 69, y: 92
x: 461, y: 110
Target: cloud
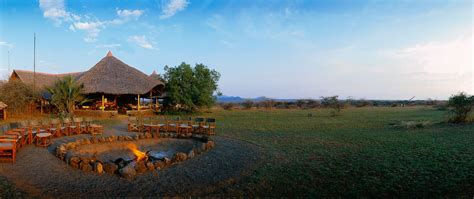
x: 92, y: 28
x: 134, y: 14
x: 227, y: 43
x: 141, y: 41
x: 56, y: 11
x: 6, y: 44
x: 452, y: 56
x: 172, y: 7
x: 108, y: 46
x: 125, y: 16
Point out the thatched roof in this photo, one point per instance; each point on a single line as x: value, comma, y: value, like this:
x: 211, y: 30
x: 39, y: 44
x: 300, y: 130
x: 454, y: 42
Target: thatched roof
x: 112, y: 76
x: 43, y: 80
x: 155, y: 76
x: 109, y: 76
x: 2, y: 105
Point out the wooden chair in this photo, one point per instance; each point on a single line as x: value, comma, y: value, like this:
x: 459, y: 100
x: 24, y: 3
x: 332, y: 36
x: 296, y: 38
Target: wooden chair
x: 72, y: 127
x: 96, y: 129
x: 80, y: 126
x: 185, y: 126
x: 133, y: 124
x: 88, y: 122
x: 8, y: 147
x: 20, y: 135
x: 161, y: 122
x: 210, y: 126
x: 66, y: 127
x: 55, y: 128
x: 35, y: 128
x: 173, y: 124
x: 198, y: 125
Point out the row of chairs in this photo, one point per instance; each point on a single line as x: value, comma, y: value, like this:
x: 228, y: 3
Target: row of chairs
x: 197, y: 125
x: 15, y: 135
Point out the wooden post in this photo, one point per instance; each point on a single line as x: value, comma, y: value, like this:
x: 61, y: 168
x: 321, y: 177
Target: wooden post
x: 138, y: 105
x: 5, y: 114
x: 41, y: 108
x: 103, y: 103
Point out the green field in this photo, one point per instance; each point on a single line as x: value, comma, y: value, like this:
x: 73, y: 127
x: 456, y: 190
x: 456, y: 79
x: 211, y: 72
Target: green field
x: 357, y: 153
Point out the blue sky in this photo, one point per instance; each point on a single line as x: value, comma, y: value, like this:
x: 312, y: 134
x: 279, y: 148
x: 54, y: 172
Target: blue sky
x: 284, y: 49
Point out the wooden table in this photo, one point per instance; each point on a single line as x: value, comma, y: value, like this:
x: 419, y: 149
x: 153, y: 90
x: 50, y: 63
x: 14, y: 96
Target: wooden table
x: 151, y: 127
x: 30, y: 132
x: 44, y: 139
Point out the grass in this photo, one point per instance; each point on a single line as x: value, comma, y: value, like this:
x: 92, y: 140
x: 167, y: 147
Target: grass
x: 357, y: 153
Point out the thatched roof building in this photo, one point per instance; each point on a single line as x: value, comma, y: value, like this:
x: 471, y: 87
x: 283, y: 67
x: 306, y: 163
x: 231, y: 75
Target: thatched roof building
x: 109, y: 76
x: 112, y: 76
x: 109, y: 79
x: 43, y: 80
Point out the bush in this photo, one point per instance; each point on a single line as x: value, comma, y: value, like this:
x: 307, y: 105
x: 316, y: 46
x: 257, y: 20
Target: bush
x: 307, y: 103
x: 248, y: 104
x: 228, y: 106
x: 333, y: 103
x: 268, y: 104
x: 66, y: 94
x: 363, y: 103
x: 460, y: 105
x: 18, y: 96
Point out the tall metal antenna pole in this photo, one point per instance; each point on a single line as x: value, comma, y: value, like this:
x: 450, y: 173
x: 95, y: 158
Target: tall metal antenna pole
x: 34, y: 61
x: 8, y: 63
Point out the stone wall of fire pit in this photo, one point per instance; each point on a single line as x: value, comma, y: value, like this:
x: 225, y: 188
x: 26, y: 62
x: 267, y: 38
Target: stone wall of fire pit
x: 129, y: 168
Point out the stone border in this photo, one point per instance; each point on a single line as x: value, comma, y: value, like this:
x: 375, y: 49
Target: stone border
x: 124, y: 169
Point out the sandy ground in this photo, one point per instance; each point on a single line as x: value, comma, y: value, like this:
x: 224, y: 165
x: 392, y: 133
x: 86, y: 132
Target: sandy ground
x: 38, y: 173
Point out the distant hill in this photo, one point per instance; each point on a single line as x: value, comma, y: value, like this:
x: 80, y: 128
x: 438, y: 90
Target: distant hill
x: 237, y: 99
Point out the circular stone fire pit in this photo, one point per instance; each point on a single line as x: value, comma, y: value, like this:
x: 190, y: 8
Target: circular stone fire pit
x: 129, y: 155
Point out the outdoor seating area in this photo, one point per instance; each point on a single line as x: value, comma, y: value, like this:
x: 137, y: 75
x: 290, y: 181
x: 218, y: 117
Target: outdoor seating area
x: 15, y: 135
x: 178, y: 125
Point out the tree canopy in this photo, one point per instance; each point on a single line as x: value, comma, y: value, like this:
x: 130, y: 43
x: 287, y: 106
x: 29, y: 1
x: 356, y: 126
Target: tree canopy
x: 17, y: 95
x: 190, y: 88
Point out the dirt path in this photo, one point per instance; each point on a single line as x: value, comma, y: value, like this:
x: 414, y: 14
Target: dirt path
x: 40, y: 174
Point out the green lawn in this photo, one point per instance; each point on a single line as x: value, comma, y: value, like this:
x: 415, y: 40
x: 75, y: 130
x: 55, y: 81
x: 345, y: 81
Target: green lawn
x: 357, y: 153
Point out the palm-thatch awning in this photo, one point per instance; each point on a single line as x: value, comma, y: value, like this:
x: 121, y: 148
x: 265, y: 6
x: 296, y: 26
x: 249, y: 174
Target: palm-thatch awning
x: 112, y: 76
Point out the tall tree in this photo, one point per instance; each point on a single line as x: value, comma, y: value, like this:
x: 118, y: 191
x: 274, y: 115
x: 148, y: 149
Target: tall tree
x: 188, y: 88
x: 66, y: 94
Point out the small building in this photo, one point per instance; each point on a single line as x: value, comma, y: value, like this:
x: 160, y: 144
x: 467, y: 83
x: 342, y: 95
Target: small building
x: 3, y: 111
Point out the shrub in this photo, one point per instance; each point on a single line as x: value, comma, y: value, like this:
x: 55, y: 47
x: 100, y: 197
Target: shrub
x: 307, y: 103
x: 333, y: 103
x: 460, y: 105
x: 66, y: 94
x: 228, y: 106
x: 18, y: 96
x: 268, y: 104
x: 248, y: 104
x: 363, y: 103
